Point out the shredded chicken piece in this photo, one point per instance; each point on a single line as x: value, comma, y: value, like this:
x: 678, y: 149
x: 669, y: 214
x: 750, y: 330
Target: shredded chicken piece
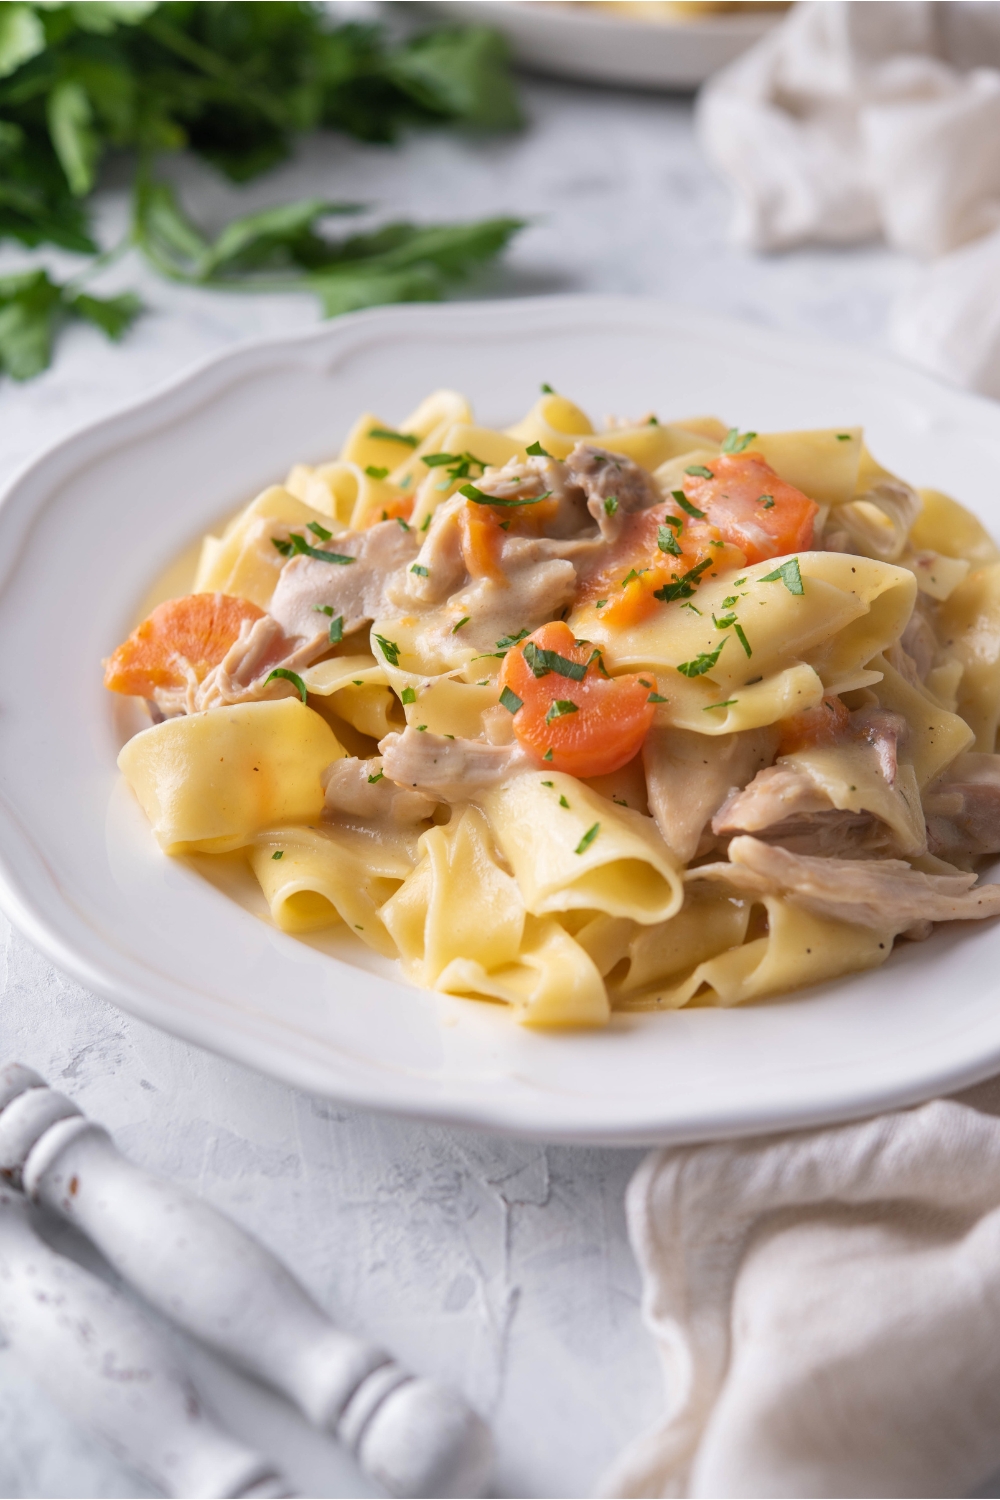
x: 884, y: 894
x: 354, y: 590
x: 360, y: 789
x: 688, y: 777
x: 884, y: 731
x: 963, y: 809
x: 242, y: 675
x: 613, y: 484
x: 449, y: 770
x: 780, y: 793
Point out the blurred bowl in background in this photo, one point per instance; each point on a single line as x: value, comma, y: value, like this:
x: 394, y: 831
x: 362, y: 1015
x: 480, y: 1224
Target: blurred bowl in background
x: 642, y: 46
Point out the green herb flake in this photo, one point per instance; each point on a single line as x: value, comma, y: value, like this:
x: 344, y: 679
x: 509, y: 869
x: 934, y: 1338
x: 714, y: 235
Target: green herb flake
x: 543, y: 662
x: 426, y: 522
x: 645, y: 683
x: 729, y: 602
x: 320, y: 531
x: 506, y: 641
x: 479, y: 497
x: 702, y: 663
x: 685, y: 504
x: 510, y: 701
x: 536, y: 450
x: 408, y: 695
x: 699, y: 472
x: 299, y: 544
x: 377, y: 777
x: 743, y: 640
x: 611, y: 505
x: 458, y: 625
x: 667, y: 542
x: 560, y: 707
x: 278, y: 854
x: 421, y: 728
x: 292, y: 677
x: 285, y: 548
x: 336, y: 632
x: 737, y: 582
x: 375, y: 472
x: 420, y: 570
x: 734, y: 442
x: 548, y: 754
x: 403, y: 524
x: 548, y: 783
x: 562, y: 801
x: 843, y: 437
x: 683, y: 587
x: 588, y: 839
x: 767, y: 501
x: 728, y: 703
x: 726, y: 623
x: 692, y: 607
x: 600, y: 603
x: 390, y: 650
x: 789, y: 574
x: 547, y: 389
x: 657, y: 698
x: 387, y: 435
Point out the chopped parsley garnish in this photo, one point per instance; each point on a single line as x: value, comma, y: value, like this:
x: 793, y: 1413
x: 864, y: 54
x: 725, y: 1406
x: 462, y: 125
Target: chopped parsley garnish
x: 631, y: 577
x: 728, y: 703
x: 651, y: 422
x: 729, y: 602
x: 420, y: 570
x: 685, y: 503
x: 588, y: 839
x: 543, y: 662
x: 318, y: 530
x: 743, y: 640
x: 667, y: 542
x: 408, y: 695
x: 278, y: 853
x: 692, y: 607
x: 734, y: 442
x: 702, y: 663
x: 377, y: 777
x: 789, y: 574
x: 595, y: 655
x: 323, y: 609
x: 559, y: 707
x: 645, y: 683
x: 548, y: 754
x: 406, y: 481
x: 611, y: 505
x: 463, y: 621
x: 435, y: 460
x: 297, y: 543
x: 506, y: 641
x: 547, y: 389
x: 536, y: 450
x: 408, y: 439
x: 600, y: 603
x: 699, y: 471
x: 374, y: 471
x: 389, y: 650
x: 479, y: 497
x: 548, y: 783
x: 767, y: 501
x: 425, y: 522
x: 562, y: 801
x: 657, y: 698
x: 421, y: 728
x: 459, y: 465
x: 737, y: 582
x: 403, y: 525
x: 292, y: 677
x: 683, y: 587
x: 726, y: 623
x: 336, y: 633
x: 843, y: 437
x: 510, y: 701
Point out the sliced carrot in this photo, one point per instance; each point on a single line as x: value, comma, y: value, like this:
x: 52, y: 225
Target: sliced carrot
x: 181, y: 636
x: 644, y: 559
x: 482, y: 540
x: 751, y: 506
x: 586, y: 727
x: 821, y: 725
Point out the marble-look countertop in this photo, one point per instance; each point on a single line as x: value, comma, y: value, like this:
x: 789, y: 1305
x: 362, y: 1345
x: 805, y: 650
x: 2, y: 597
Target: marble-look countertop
x: 501, y: 1266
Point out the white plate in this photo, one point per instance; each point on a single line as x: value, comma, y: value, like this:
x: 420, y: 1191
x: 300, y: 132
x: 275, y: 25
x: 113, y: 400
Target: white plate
x: 602, y: 47
x: 85, y: 530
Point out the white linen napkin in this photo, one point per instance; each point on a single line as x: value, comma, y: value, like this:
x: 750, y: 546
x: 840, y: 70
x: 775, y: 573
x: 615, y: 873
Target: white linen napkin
x: 852, y: 121
x: 827, y: 1308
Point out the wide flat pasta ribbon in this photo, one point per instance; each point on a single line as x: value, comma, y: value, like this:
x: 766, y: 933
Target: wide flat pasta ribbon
x: 588, y: 854
x: 244, y: 561
x: 211, y: 781
x: 312, y: 877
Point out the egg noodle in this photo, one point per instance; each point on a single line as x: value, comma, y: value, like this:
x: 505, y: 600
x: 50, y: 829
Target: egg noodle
x: 587, y: 721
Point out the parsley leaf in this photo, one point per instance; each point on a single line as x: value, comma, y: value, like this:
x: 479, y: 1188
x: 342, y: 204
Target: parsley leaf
x: 702, y: 663
x: 390, y: 650
x: 536, y: 450
x: 685, y: 503
x: 543, y: 662
x: 292, y: 677
x: 559, y: 707
x: 479, y: 497
x: 667, y: 541
x: 683, y: 587
x: 510, y: 701
x: 588, y: 839
x: 734, y: 442
x: 789, y: 574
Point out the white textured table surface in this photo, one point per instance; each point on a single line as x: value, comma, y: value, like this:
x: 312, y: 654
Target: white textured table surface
x: 501, y: 1266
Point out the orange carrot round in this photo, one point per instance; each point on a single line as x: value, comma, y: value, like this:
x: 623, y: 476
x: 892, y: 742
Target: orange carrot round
x: 585, y: 727
x: 752, y: 508
x: 181, y: 636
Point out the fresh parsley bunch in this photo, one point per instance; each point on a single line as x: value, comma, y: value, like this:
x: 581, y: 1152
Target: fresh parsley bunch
x: 235, y: 82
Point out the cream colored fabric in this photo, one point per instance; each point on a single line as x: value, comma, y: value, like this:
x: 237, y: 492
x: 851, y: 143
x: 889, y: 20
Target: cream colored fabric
x: 827, y: 1309
x: 852, y: 121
